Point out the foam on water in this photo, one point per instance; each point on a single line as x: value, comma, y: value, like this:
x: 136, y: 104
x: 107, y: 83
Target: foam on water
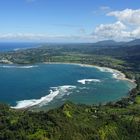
x: 54, y: 91
x: 17, y: 49
x: 84, y: 81
x: 115, y: 73
x: 18, y: 67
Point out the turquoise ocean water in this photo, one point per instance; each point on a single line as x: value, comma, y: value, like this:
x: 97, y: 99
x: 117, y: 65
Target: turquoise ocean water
x: 53, y: 84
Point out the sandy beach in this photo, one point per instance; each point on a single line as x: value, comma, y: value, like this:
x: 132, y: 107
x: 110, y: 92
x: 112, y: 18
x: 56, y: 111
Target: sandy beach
x: 116, y: 73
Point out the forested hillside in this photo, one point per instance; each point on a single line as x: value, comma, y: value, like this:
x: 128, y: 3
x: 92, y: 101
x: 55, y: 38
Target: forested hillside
x: 72, y: 122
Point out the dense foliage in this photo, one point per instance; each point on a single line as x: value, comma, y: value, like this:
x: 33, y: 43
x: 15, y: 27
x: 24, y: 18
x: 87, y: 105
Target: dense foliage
x: 72, y: 122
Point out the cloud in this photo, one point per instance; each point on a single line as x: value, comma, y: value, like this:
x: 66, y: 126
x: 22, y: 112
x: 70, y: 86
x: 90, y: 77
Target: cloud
x: 102, y: 10
x: 127, y: 16
x: 135, y: 33
x: 44, y: 37
x: 21, y: 36
x: 67, y: 25
x: 105, y: 8
x: 110, y: 31
x: 116, y: 31
x: 119, y: 30
x: 126, y: 27
x: 81, y: 31
x: 117, y: 26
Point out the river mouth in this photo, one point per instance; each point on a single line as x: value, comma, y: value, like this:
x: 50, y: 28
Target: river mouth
x: 50, y: 85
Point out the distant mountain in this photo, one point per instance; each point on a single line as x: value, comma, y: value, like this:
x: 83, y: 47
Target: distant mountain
x: 108, y: 43
x: 133, y: 42
x: 112, y: 43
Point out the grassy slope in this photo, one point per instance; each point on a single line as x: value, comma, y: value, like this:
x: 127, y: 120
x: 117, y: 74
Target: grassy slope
x: 72, y: 122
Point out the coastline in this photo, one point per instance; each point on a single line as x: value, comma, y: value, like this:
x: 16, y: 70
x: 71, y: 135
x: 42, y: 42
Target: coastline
x: 116, y: 73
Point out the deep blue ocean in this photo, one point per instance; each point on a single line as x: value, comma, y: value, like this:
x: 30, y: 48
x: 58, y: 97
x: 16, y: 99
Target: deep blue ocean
x: 51, y: 85
x: 13, y: 46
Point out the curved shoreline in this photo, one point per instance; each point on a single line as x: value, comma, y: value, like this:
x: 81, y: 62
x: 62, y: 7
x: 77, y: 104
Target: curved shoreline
x: 116, y: 73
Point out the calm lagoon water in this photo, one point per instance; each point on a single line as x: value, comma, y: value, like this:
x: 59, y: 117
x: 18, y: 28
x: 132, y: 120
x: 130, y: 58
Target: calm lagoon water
x: 52, y: 84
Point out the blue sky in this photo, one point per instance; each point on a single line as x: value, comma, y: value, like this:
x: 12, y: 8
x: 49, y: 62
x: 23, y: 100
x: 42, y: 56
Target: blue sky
x: 69, y: 20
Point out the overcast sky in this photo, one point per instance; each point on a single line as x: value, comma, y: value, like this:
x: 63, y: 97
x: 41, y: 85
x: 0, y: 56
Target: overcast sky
x: 69, y: 20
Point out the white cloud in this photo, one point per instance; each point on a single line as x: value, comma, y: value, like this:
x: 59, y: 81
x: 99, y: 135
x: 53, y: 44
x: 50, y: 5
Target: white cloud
x: 101, y: 10
x: 119, y: 30
x: 21, y: 36
x: 127, y: 27
x: 135, y: 33
x: 81, y: 31
x: 127, y: 16
x: 116, y: 31
x: 105, y: 8
x: 44, y: 37
x: 110, y: 31
x: 117, y: 26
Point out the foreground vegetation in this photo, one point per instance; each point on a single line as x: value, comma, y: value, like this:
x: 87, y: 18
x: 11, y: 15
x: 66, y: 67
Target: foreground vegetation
x: 72, y: 122
x: 114, y: 121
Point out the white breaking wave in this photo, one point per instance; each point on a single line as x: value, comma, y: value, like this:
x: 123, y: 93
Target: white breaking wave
x: 84, y: 81
x: 54, y: 91
x: 18, y: 67
x: 104, y: 69
x: 16, y: 49
x: 115, y: 73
